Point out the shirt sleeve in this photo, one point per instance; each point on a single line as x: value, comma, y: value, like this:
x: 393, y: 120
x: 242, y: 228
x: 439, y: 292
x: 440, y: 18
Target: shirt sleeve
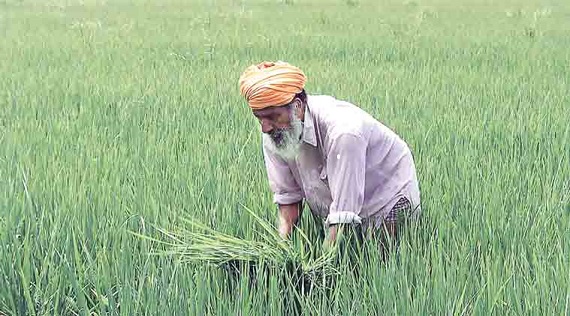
x: 285, y: 188
x: 346, y: 168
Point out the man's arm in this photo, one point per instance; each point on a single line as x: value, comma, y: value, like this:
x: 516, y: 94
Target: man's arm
x: 346, y: 167
x: 289, y: 215
x: 287, y: 193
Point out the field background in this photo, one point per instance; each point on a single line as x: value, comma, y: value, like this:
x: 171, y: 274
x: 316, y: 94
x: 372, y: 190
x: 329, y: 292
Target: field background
x: 120, y: 115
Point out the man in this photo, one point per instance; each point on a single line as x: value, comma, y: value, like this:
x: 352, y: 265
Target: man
x: 348, y: 167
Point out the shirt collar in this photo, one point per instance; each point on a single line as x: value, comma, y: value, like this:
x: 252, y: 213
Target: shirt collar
x: 309, y: 135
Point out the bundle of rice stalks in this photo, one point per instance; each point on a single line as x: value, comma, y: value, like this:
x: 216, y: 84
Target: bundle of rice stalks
x: 199, y: 244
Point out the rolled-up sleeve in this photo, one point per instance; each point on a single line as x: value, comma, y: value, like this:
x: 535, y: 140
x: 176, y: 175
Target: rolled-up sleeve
x: 285, y: 188
x: 346, y: 168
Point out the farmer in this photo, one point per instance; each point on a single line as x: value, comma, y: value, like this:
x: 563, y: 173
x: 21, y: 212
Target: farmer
x: 347, y: 166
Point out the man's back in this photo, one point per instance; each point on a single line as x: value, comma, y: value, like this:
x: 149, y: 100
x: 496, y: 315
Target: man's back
x: 349, y: 162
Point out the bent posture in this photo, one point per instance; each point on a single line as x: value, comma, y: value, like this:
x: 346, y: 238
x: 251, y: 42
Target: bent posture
x: 346, y: 165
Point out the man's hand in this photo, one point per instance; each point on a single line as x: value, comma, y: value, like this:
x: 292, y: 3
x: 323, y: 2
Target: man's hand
x: 330, y: 239
x: 288, y: 217
x: 285, y: 227
x: 344, y: 237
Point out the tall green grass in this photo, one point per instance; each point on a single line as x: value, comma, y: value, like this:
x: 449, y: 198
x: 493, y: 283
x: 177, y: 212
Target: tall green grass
x: 119, y: 115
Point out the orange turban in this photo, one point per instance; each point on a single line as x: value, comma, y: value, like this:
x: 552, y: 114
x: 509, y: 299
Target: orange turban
x: 271, y: 84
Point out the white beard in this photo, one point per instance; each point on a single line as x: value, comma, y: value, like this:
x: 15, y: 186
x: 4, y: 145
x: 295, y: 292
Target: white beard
x: 290, y: 145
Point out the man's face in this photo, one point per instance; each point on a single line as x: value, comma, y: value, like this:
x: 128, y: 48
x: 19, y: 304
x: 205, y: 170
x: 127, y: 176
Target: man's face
x: 275, y: 121
x: 283, y: 127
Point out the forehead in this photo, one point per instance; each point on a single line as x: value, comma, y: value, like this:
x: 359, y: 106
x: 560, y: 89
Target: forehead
x: 273, y: 110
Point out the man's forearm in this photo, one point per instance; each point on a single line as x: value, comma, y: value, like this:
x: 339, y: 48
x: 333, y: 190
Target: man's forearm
x: 288, y: 217
x: 331, y: 238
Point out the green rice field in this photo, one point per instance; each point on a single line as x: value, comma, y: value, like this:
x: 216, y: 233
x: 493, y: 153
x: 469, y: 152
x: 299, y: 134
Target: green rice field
x: 118, y: 117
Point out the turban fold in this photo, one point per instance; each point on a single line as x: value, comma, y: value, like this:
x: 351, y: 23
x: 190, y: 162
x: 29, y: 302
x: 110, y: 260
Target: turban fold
x: 271, y: 84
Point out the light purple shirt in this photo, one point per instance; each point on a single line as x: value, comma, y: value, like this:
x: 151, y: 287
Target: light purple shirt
x: 348, y: 162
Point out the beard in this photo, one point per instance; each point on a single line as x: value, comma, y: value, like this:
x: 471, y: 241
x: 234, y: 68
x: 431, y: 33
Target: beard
x: 286, y: 142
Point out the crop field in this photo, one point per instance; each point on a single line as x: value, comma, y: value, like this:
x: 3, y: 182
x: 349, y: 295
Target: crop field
x: 120, y: 117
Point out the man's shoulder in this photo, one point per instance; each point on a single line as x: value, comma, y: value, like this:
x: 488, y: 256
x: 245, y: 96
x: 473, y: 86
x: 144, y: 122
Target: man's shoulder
x: 330, y: 106
x: 317, y: 102
x: 340, y: 117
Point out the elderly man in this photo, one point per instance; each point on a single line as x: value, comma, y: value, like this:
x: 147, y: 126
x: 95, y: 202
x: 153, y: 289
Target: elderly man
x: 348, y: 167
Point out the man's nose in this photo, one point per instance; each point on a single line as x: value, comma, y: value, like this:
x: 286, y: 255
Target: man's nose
x: 266, y: 127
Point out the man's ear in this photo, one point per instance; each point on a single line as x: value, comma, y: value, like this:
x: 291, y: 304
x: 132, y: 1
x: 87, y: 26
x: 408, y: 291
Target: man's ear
x: 298, y: 104
x: 299, y: 109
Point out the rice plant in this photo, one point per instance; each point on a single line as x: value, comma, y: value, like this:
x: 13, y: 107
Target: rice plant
x: 121, y: 119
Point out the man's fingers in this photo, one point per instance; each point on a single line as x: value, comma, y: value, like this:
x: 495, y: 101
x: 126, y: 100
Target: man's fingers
x: 285, y: 229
